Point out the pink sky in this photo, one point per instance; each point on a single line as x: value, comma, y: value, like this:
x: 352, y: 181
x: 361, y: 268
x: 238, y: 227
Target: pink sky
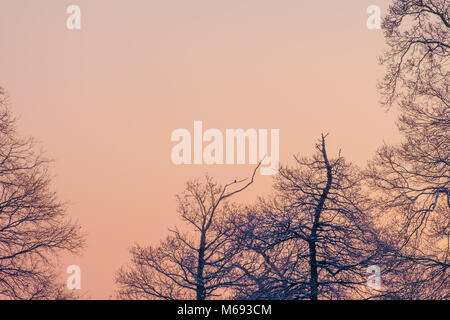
x: 104, y: 100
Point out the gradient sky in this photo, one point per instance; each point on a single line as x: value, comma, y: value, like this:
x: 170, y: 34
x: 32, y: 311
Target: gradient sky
x: 104, y: 100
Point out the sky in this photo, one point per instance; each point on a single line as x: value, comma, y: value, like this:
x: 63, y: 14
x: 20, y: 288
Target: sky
x: 104, y: 100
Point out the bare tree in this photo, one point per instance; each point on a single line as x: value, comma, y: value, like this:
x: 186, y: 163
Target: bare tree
x: 412, y: 178
x: 188, y: 265
x: 417, y: 33
x: 313, y: 239
x: 34, y: 228
x: 418, y: 78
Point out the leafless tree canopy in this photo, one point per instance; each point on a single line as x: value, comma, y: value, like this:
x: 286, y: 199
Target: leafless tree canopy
x: 314, y: 238
x: 327, y: 221
x: 412, y: 178
x: 188, y: 265
x: 418, y: 78
x: 418, y: 34
x: 33, y: 224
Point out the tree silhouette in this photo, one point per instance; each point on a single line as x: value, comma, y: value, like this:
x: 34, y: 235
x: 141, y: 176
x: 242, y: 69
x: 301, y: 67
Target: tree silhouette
x: 412, y: 178
x: 33, y: 224
x: 190, y: 265
x: 313, y: 239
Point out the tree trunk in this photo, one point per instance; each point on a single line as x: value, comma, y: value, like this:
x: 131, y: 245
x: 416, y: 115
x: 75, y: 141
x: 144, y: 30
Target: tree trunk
x: 200, y: 287
x: 314, y: 276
